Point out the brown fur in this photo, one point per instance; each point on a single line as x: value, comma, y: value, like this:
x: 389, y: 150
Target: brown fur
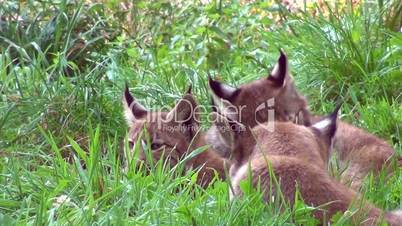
x: 297, y: 164
x: 279, y: 86
x: 174, y: 140
x: 285, y: 141
x: 358, y: 150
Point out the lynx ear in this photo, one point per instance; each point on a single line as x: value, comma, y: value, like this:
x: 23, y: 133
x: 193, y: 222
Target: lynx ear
x: 189, y: 89
x: 327, y: 127
x: 222, y: 90
x: 186, y: 114
x: 185, y: 110
x: 222, y: 98
x: 278, y: 74
x: 132, y: 109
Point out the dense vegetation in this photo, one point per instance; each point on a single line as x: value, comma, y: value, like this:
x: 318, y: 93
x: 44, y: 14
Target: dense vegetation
x: 63, y: 65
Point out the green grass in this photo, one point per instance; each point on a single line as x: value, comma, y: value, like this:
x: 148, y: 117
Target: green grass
x: 63, y: 66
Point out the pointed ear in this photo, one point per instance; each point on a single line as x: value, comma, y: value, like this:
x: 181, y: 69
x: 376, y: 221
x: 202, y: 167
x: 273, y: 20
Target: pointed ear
x: 132, y: 109
x: 189, y: 89
x: 213, y: 105
x: 222, y: 90
x: 186, y: 109
x: 186, y: 114
x: 278, y: 74
x: 327, y: 126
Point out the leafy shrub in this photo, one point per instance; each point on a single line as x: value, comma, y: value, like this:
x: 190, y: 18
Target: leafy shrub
x: 346, y: 52
x: 64, y: 35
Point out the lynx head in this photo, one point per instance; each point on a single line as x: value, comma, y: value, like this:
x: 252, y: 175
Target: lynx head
x: 242, y: 141
x: 253, y: 99
x: 169, y: 134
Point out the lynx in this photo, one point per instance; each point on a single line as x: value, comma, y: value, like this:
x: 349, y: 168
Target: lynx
x: 173, y: 135
x: 279, y: 86
x: 251, y: 100
x: 295, y: 155
x: 357, y: 150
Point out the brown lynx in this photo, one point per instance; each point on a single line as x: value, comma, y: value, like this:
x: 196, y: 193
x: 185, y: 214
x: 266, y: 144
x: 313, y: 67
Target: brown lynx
x: 252, y: 96
x: 295, y: 154
x: 172, y: 134
x: 360, y: 151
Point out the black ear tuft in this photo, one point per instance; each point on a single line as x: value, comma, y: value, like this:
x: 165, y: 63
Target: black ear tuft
x: 334, y: 117
x: 328, y: 125
x: 127, y: 95
x: 222, y: 90
x: 213, y: 105
x: 280, y: 70
x: 190, y: 87
x: 334, y: 114
x: 132, y: 109
x: 282, y: 52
